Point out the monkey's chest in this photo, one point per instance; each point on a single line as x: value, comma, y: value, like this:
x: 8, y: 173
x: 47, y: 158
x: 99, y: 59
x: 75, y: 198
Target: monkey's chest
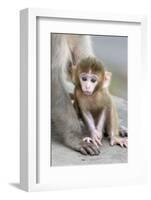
x: 91, y: 104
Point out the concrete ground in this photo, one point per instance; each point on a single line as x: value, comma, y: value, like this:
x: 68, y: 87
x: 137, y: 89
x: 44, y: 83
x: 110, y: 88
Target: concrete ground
x: 63, y: 156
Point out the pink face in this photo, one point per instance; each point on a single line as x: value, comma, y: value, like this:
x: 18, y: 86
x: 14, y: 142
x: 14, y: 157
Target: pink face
x: 88, y: 82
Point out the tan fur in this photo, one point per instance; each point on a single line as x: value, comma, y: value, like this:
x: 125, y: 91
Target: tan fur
x: 100, y: 101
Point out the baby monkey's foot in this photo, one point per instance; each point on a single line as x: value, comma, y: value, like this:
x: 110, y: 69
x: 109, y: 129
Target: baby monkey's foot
x: 123, y: 142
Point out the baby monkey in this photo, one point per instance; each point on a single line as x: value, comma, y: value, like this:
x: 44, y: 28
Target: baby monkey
x: 93, y: 102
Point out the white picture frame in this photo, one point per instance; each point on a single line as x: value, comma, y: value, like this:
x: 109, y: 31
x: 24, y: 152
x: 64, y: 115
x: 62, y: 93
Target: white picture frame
x: 55, y: 178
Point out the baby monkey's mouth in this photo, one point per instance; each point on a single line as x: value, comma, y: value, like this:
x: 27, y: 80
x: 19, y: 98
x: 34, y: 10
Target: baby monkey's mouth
x: 87, y: 93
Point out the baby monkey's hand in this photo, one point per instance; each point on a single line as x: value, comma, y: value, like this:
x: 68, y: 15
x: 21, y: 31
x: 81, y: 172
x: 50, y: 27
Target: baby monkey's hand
x: 95, y: 139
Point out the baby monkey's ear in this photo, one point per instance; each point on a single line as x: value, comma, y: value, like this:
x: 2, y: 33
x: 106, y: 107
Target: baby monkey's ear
x: 107, y: 79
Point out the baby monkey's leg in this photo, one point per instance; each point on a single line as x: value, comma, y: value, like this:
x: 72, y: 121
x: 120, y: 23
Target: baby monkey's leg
x: 113, y: 130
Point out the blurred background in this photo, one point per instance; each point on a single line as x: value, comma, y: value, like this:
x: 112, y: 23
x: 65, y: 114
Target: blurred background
x: 112, y: 51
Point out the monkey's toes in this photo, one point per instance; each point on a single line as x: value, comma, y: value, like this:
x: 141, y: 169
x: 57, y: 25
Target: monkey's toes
x: 123, y: 142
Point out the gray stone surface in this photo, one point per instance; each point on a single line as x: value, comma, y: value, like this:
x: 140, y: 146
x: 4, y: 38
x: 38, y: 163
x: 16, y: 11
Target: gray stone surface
x: 63, y: 156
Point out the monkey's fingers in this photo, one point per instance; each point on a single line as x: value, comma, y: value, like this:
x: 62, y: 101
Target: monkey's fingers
x: 95, y: 149
x: 97, y: 141
x: 83, y: 151
x: 89, y: 149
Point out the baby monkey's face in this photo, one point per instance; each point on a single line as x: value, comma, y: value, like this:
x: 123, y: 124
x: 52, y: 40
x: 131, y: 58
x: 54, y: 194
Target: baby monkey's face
x: 88, y: 82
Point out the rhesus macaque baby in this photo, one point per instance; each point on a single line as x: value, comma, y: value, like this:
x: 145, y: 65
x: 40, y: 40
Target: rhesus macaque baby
x: 93, y: 102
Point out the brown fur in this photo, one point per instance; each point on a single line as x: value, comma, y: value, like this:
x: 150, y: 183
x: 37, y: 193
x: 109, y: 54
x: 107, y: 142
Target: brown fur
x: 99, y: 100
x: 85, y: 65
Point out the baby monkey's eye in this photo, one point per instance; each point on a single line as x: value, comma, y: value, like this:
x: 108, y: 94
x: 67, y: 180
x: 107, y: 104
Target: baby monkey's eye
x: 93, y: 80
x: 84, y: 78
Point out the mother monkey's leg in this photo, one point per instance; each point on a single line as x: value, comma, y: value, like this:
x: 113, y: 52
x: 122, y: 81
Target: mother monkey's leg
x: 66, y: 50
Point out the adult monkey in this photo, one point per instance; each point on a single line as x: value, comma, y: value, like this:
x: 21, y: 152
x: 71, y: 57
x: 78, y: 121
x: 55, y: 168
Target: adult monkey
x: 68, y: 49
